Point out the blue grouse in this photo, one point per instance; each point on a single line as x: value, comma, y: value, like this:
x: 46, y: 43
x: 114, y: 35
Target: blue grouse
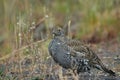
x: 73, y: 54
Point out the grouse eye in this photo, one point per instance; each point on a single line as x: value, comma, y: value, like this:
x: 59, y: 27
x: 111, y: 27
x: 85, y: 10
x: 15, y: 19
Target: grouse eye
x: 59, y: 29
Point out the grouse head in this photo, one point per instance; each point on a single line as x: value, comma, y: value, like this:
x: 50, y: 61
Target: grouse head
x: 58, y: 32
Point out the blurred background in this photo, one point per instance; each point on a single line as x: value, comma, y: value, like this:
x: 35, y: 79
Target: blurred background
x: 95, y: 21
x: 24, y: 22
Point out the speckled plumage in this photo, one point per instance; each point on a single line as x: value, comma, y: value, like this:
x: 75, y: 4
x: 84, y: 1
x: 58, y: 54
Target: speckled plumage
x: 73, y: 54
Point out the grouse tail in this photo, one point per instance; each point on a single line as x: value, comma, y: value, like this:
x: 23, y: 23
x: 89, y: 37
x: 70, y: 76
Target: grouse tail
x: 109, y: 71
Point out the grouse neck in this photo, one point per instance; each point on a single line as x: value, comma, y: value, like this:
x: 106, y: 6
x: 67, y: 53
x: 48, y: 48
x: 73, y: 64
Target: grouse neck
x: 61, y: 38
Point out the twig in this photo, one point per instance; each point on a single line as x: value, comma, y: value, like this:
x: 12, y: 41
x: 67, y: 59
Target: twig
x: 22, y: 48
x: 69, y: 31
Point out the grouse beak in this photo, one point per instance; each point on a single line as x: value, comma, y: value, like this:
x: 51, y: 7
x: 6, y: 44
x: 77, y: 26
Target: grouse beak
x: 53, y: 32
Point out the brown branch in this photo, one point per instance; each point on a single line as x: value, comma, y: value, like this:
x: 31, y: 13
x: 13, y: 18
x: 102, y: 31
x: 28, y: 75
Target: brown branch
x: 24, y: 47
